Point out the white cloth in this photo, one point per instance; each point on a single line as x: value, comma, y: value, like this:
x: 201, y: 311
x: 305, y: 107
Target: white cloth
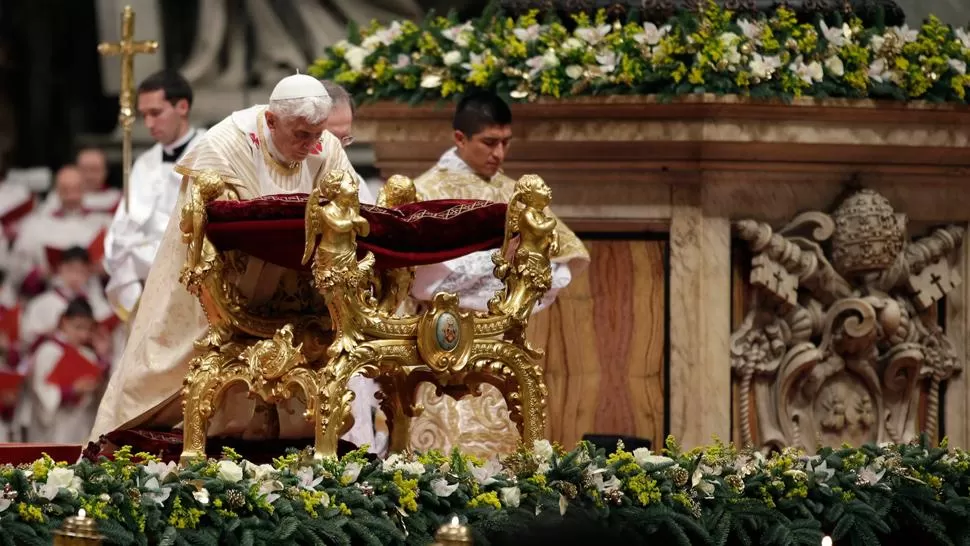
x: 472, y: 278
x: 136, y: 232
x: 41, y: 412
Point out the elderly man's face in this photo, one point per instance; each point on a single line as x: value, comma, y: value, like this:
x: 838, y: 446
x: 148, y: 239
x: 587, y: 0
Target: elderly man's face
x: 340, y: 124
x: 70, y: 188
x: 93, y: 168
x: 295, y: 138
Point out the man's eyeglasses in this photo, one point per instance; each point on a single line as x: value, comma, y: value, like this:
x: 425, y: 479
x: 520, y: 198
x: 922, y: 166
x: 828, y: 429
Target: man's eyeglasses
x: 347, y: 141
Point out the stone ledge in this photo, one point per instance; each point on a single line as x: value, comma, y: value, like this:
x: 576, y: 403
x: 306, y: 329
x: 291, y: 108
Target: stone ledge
x: 574, y: 139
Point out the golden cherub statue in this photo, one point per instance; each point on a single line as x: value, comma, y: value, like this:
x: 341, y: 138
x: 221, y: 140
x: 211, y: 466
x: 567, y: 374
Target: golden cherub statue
x: 398, y: 190
x: 205, y: 188
x: 537, y: 242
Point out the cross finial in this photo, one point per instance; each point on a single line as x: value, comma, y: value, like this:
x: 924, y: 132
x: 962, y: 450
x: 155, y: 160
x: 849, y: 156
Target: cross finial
x: 127, y: 48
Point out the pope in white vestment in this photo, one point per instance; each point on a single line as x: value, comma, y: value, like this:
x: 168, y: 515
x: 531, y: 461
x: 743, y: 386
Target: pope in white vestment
x: 278, y: 148
x: 136, y: 231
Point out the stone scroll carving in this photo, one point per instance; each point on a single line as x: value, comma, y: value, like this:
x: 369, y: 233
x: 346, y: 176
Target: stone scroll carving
x: 841, y: 342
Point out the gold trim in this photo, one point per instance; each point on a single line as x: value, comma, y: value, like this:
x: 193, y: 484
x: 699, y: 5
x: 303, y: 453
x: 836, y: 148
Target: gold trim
x: 281, y: 168
x: 314, y: 357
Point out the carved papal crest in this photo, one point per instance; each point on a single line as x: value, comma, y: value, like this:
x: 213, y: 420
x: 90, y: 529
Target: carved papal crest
x: 840, y: 334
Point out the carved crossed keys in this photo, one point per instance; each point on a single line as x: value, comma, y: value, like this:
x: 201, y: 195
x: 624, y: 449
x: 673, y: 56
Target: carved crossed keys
x: 313, y: 357
x: 835, y: 343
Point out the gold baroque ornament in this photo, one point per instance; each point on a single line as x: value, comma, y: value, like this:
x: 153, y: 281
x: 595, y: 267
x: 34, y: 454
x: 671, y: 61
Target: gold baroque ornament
x: 838, y: 347
x: 311, y: 353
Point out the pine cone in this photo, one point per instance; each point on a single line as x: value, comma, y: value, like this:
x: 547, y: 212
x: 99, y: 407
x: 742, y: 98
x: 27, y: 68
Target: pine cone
x: 567, y: 489
x: 366, y: 489
x: 679, y: 476
x: 615, y: 496
x: 135, y: 495
x: 235, y: 498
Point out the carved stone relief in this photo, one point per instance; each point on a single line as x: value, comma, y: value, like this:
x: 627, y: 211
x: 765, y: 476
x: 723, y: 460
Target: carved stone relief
x: 840, y: 337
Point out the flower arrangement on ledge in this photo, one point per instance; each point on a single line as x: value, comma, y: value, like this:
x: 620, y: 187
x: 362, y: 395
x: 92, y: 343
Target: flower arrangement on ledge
x: 714, y: 51
x: 909, y: 494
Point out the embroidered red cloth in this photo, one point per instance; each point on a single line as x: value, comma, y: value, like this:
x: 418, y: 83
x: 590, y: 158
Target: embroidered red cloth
x: 271, y: 229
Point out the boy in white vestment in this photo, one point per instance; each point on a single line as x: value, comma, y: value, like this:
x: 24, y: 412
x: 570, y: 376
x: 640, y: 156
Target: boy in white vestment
x: 279, y: 148
x: 73, y: 278
x: 164, y: 103
x: 54, y: 412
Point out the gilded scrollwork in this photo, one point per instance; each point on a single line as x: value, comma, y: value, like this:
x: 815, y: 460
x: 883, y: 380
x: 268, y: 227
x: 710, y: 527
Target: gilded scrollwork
x: 837, y: 337
x: 279, y: 353
x: 448, y: 345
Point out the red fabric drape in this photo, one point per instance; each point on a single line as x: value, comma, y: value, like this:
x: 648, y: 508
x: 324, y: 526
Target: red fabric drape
x: 271, y: 229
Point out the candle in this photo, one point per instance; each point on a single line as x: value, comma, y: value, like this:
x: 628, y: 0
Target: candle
x: 453, y: 534
x: 826, y: 541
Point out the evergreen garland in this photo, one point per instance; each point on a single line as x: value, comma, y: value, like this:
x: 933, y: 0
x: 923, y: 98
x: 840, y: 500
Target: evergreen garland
x: 911, y: 493
x: 536, y: 55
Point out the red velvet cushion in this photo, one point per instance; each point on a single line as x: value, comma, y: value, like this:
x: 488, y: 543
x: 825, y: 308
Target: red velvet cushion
x: 271, y: 229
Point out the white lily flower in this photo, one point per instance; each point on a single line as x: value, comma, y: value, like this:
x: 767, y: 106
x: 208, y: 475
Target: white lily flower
x: 442, y: 488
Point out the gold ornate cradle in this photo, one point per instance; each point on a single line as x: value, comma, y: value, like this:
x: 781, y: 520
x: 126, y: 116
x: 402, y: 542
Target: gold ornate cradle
x: 343, y: 320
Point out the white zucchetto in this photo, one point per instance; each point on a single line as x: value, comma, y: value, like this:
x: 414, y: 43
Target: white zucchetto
x: 298, y: 86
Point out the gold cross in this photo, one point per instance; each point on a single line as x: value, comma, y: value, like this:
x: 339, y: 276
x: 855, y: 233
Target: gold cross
x: 127, y: 48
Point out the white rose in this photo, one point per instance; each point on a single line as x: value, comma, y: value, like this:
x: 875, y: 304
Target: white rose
x: 511, y: 496
x: 230, y: 471
x: 542, y: 450
x: 355, y: 56
x: 63, y: 478
x: 452, y: 58
x: 431, y: 81
x: 574, y: 71
x: 834, y: 65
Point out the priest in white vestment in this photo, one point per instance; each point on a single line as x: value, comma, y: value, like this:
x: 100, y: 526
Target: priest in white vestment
x: 279, y: 148
x: 69, y: 225
x: 164, y: 103
x: 472, y: 170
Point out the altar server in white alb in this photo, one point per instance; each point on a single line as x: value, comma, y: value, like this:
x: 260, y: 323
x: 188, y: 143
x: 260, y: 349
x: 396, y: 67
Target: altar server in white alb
x: 164, y: 103
x: 268, y: 149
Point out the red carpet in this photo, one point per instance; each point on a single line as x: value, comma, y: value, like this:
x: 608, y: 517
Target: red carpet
x: 27, y: 453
